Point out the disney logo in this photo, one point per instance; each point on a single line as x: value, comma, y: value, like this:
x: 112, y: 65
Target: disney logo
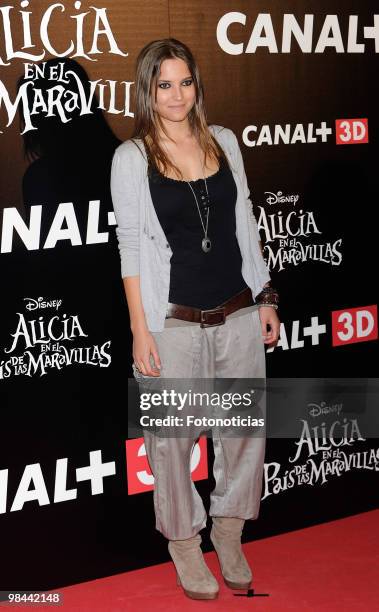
x: 33, y: 304
x: 323, y: 408
x: 279, y: 198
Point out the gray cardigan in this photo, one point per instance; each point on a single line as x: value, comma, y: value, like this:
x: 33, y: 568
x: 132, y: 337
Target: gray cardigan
x: 143, y: 246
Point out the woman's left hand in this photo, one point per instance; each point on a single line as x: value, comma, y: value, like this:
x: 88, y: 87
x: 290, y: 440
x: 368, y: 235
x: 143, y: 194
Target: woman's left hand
x: 270, y: 324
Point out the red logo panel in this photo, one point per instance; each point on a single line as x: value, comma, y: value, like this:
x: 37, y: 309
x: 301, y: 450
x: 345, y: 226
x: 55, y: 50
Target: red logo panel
x: 354, y: 325
x: 140, y: 478
x: 351, y: 131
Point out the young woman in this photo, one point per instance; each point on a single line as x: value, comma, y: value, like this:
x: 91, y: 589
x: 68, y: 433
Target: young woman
x: 199, y: 298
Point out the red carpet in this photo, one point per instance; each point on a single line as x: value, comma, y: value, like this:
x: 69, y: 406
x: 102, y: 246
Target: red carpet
x: 323, y: 568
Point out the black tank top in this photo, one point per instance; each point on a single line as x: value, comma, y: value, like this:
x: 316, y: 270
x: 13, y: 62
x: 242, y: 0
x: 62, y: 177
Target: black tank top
x: 198, y: 279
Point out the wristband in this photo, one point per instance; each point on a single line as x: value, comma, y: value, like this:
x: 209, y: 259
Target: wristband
x: 268, y: 297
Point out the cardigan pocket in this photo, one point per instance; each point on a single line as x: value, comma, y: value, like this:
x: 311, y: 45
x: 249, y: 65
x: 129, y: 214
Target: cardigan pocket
x: 154, y: 274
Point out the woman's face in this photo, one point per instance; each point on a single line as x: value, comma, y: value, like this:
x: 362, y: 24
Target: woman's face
x: 175, y: 90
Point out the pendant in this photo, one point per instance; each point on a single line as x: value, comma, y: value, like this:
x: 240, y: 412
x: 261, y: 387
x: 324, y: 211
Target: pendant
x: 206, y: 245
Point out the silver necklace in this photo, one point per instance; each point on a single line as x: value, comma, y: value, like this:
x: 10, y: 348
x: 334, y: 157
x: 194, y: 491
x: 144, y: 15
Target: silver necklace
x: 206, y: 243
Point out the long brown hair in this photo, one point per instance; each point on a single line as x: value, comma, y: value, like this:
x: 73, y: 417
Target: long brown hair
x: 146, y: 123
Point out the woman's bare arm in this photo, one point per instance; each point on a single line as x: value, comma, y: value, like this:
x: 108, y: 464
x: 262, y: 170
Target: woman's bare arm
x: 133, y: 297
x: 143, y: 342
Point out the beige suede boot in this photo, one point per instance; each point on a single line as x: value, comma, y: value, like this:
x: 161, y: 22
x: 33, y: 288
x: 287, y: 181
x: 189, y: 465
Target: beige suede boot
x: 192, y: 572
x: 226, y: 538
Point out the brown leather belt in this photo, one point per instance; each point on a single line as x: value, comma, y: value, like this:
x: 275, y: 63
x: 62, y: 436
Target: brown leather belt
x: 213, y: 316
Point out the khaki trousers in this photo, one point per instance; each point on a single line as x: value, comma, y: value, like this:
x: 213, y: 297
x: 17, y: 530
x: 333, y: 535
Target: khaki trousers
x: 187, y: 351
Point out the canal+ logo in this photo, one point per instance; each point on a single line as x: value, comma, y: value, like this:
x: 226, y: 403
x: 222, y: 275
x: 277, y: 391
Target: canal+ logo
x: 348, y: 326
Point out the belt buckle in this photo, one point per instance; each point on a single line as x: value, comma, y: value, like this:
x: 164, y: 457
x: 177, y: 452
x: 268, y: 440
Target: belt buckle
x: 204, y: 320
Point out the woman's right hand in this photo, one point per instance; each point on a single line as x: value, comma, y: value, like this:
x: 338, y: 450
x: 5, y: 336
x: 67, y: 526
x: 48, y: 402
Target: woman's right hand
x: 143, y: 346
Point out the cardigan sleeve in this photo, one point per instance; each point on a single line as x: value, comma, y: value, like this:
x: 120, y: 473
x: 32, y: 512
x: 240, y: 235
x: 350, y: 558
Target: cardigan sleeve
x: 126, y: 209
x: 242, y: 174
x: 240, y: 169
